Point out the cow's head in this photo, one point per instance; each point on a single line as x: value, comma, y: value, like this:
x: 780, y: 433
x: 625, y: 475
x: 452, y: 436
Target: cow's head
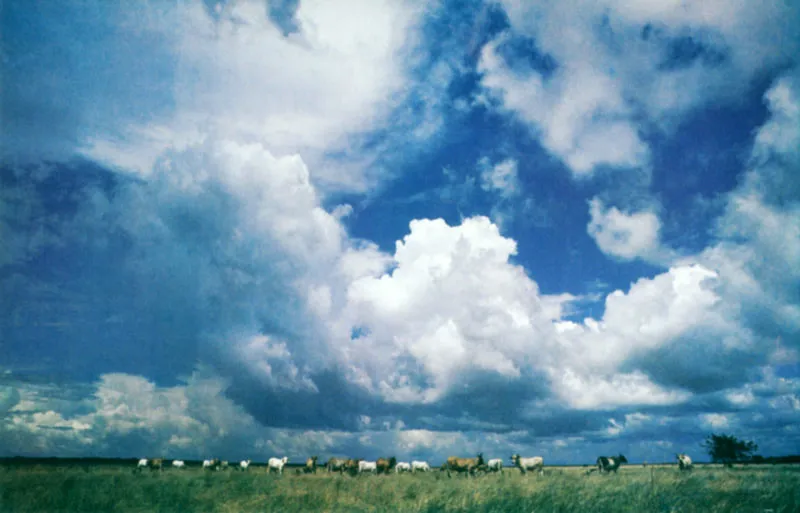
x: 622, y: 459
x: 514, y: 458
x: 480, y: 458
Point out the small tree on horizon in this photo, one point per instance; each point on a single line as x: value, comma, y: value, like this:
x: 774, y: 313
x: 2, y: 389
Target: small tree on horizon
x: 727, y: 449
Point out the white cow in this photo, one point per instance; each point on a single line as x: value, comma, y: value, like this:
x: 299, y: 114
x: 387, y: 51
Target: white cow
x: 212, y: 464
x: 684, y: 461
x: 526, y: 464
x: 495, y: 465
x: 152, y: 464
x: 178, y: 463
x: 277, y: 464
x: 244, y: 464
x: 402, y: 466
x: 367, y: 466
x: 422, y: 466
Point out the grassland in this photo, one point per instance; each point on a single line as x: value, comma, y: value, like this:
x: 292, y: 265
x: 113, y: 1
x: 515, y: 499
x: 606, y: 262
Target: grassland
x: 109, y: 488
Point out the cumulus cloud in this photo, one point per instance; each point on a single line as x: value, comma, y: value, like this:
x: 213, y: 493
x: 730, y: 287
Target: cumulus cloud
x: 453, y: 305
x: 622, y: 235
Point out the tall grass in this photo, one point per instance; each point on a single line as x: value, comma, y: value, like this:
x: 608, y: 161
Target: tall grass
x: 79, y: 489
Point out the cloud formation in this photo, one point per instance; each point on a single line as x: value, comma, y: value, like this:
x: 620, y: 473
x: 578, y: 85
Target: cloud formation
x: 598, y: 69
x: 626, y: 236
x: 200, y: 285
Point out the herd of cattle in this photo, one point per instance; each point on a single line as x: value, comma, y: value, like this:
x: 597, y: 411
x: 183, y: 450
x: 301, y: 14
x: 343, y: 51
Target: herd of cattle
x: 467, y: 466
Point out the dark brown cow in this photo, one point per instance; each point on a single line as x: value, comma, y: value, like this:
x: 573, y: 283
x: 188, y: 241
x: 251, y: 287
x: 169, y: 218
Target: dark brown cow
x: 385, y: 465
x: 468, y: 465
x: 311, y: 465
x: 351, y: 465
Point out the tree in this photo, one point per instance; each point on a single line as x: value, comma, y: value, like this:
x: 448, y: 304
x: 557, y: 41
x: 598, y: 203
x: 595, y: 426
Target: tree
x: 727, y: 449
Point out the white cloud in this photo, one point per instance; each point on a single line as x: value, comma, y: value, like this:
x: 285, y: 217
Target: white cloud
x: 129, y: 416
x: 452, y: 304
x: 623, y: 235
x: 500, y: 177
x: 613, y: 69
x: 758, y: 248
x: 590, y: 392
x: 562, y: 113
x: 715, y: 420
x: 239, y: 77
x: 742, y: 397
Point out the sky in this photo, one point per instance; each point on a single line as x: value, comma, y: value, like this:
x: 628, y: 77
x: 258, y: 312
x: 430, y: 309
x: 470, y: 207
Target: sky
x: 245, y: 229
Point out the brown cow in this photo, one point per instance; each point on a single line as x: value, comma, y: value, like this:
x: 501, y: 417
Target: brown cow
x: 155, y: 464
x: 385, y: 465
x: 311, y: 465
x: 351, y: 465
x: 468, y: 465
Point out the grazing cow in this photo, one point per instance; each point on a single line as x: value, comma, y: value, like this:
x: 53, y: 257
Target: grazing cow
x: 244, y: 465
x: 525, y: 464
x: 154, y: 464
x: 368, y: 466
x: 223, y: 465
x: 142, y: 464
x: 402, y: 466
x: 684, y: 462
x: 212, y: 464
x: 336, y: 465
x: 385, y: 465
x: 495, y: 465
x: 311, y: 465
x: 467, y: 465
x: 277, y: 464
x: 607, y: 464
x: 422, y: 466
x: 178, y: 464
x: 352, y: 465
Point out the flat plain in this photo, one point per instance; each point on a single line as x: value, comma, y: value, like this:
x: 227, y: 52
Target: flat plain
x: 106, y: 488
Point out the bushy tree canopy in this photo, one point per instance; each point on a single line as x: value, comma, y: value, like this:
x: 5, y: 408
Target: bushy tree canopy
x: 728, y: 449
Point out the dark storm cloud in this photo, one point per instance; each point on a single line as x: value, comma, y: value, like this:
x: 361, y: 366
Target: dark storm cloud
x: 65, y: 68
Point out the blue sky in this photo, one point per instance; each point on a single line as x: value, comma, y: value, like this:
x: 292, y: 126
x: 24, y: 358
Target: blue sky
x: 250, y: 228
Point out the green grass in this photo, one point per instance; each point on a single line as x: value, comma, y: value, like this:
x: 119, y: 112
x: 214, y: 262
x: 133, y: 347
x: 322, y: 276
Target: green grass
x: 108, y: 488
